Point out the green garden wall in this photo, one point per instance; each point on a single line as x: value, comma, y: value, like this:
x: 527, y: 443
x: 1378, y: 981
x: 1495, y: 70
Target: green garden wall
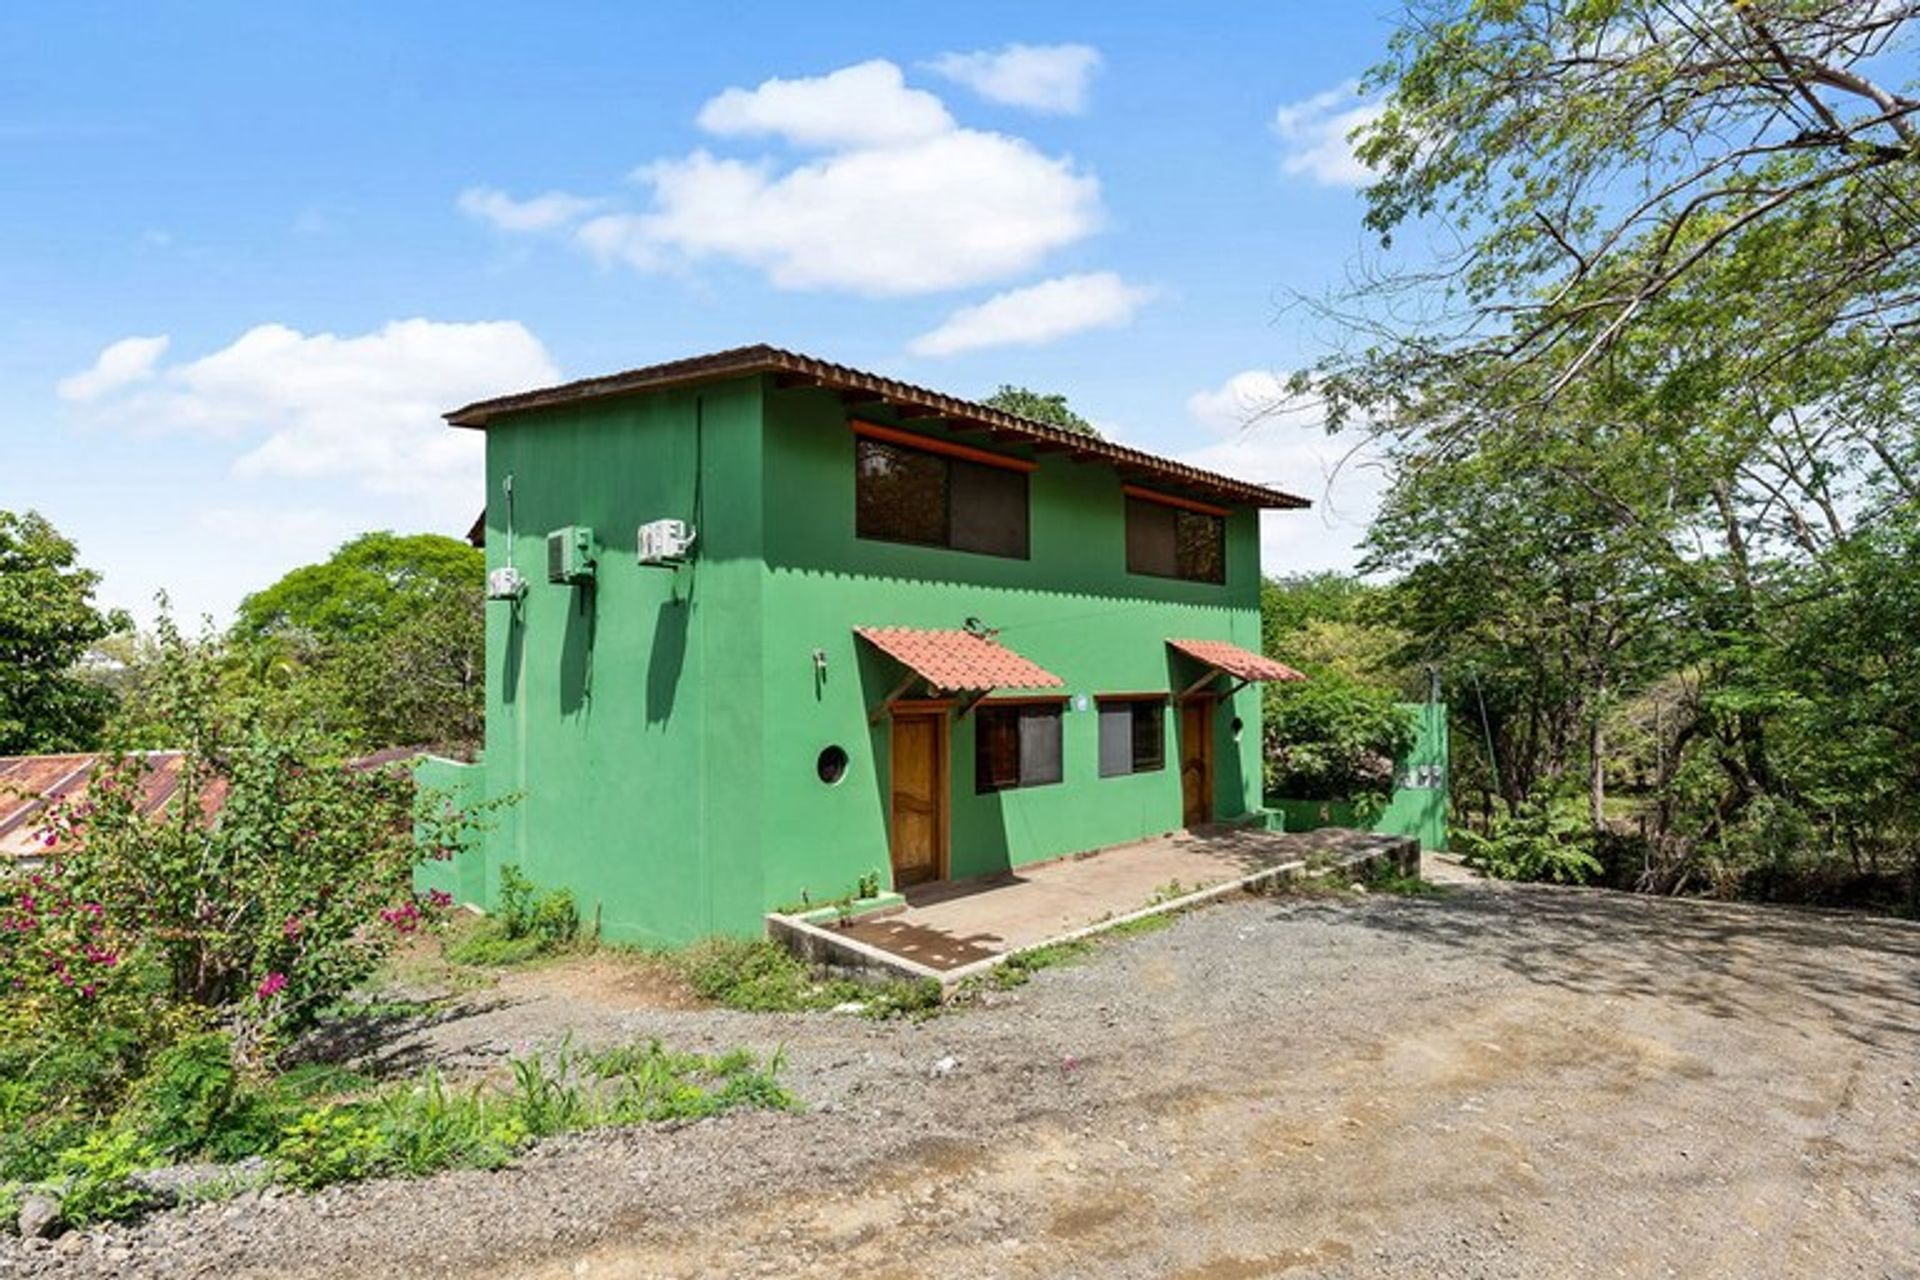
x: 450, y: 782
x: 1418, y: 806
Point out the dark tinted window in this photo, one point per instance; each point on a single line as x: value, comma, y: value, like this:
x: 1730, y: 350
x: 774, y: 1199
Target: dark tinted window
x: 1150, y: 539
x: 1200, y: 546
x: 1132, y: 736
x: 900, y: 494
x: 903, y: 494
x: 1172, y: 542
x: 1016, y: 747
x: 989, y: 509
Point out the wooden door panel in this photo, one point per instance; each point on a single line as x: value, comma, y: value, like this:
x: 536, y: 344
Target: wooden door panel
x: 1196, y: 763
x: 919, y: 817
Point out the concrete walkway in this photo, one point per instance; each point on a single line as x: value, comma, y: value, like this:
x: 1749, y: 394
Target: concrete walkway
x: 964, y: 925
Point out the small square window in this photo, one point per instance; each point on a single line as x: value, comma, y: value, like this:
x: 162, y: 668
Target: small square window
x: 1016, y: 746
x: 1132, y: 736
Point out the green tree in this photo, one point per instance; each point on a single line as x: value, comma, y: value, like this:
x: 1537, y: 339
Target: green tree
x: 48, y: 622
x: 1337, y: 734
x: 1041, y: 407
x: 385, y: 640
x: 1667, y: 382
x: 369, y: 588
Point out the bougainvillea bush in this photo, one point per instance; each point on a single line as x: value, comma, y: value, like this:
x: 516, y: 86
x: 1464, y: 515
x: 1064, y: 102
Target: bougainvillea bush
x: 273, y: 879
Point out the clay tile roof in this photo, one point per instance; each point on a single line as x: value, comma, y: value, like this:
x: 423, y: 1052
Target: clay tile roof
x: 958, y: 661
x: 1242, y: 664
x: 791, y: 369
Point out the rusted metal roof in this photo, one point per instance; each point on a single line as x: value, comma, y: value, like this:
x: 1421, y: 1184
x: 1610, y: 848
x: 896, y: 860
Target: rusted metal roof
x: 958, y: 661
x: 31, y: 785
x: 1242, y: 664
x: 913, y: 404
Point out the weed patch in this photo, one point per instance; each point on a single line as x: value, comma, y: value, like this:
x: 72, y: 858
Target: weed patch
x: 762, y: 976
x: 529, y: 924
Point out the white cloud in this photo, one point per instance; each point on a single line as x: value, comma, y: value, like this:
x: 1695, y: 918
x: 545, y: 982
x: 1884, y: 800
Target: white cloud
x: 903, y: 201
x: 121, y: 365
x: 364, y: 409
x: 956, y: 209
x: 1038, y: 314
x: 1051, y: 78
x: 866, y: 105
x: 1264, y: 435
x: 547, y: 212
x: 1315, y: 131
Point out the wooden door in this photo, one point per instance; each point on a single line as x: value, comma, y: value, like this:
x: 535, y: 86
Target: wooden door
x: 1196, y: 762
x: 919, y: 818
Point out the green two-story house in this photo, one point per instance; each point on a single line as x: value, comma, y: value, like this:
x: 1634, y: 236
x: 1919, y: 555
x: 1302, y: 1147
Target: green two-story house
x: 761, y: 628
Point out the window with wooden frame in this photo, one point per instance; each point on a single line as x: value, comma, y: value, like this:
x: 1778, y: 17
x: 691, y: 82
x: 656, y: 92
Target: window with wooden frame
x: 1133, y: 734
x: 937, y: 494
x: 1016, y: 745
x: 1169, y: 537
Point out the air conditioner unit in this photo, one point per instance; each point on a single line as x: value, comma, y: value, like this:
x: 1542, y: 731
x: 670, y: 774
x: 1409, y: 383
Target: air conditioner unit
x: 505, y: 583
x: 571, y: 553
x: 664, y: 541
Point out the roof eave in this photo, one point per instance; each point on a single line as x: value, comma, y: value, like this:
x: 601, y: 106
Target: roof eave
x: 796, y: 370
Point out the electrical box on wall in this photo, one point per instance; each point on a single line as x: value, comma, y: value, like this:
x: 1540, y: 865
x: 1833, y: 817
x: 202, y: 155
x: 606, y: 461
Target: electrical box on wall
x: 571, y: 553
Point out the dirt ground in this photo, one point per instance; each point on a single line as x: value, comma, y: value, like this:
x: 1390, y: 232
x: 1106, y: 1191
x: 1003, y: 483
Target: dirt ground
x: 1496, y: 1082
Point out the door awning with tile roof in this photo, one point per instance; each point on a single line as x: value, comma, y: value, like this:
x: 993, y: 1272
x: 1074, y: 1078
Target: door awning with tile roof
x: 1243, y: 665
x: 957, y: 661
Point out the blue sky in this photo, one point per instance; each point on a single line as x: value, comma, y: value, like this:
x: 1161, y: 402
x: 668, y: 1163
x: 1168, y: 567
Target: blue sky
x: 251, y: 252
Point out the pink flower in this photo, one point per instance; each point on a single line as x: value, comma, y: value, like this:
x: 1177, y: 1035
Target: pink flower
x: 292, y: 928
x: 274, y: 984
x: 404, y: 918
x: 439, y: 899
x: 86, y: 992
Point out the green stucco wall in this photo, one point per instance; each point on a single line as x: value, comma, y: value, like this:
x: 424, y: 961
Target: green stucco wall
x: 625, y: 715
x: 661, y: 727
x: 1071, y: 607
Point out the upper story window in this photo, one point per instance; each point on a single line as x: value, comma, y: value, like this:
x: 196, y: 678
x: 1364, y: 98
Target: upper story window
x: 1174, y: 538
x: 939, y: 495
x: 1016, y: 746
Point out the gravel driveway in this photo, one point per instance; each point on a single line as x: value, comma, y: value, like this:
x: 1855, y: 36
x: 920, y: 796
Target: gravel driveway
x: 1501, y: 1081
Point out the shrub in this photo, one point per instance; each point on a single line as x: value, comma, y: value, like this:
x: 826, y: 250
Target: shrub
x: 1332, y: 737
x: 337, y: 1144
x: 187, y: 1092
x: 264, y: 914
x: 1550, y: 842
x: 99, y: 1177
